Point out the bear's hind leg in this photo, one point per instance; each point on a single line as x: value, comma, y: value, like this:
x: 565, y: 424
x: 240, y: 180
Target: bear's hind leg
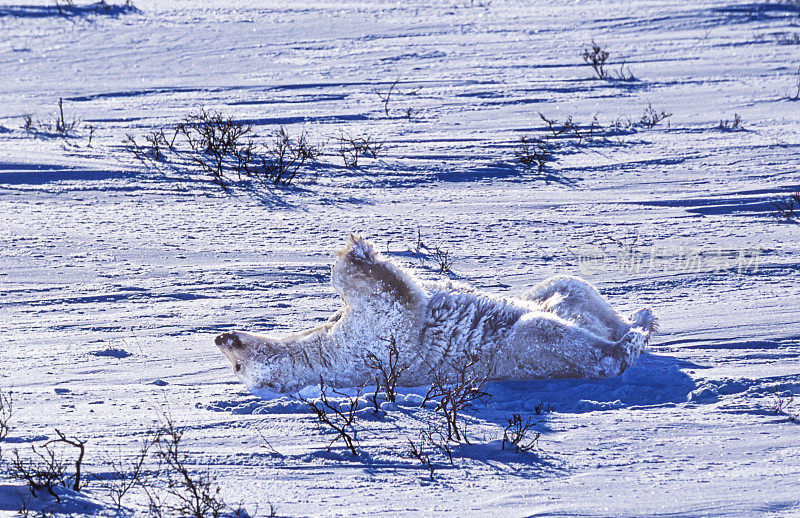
x: 574, y: 299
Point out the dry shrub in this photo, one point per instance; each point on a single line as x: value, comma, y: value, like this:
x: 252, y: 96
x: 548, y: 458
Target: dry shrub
x: 388, y: 370
x: 787, y: 209
x: 47, y: 469
x: 459, y: 385
x: 179, y: 491
x: 340, y: 418
x: 519, y: 434
x: 596, y: 58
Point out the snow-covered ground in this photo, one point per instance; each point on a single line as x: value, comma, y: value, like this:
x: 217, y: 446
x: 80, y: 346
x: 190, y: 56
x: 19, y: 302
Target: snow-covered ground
x: 116, y: 277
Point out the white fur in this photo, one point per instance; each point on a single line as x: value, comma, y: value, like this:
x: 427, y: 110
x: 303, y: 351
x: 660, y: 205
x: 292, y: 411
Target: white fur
x: 562, y: 328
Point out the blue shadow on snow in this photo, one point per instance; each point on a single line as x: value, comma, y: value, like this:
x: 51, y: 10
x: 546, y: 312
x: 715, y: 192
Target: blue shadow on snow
x: 54, y: 9
x: 652, y: 381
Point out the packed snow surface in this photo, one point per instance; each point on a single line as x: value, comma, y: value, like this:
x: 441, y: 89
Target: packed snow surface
x: 117, y: 274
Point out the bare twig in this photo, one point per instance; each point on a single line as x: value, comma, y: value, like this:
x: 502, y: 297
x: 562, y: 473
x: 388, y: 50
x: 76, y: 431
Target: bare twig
x: 331, y: 415
x: 385, y: 98
x: 651, y: 117
x: 517, y: 432
x: 788, y: 209
x: 459, y: 387
x: 596, y: 58
x: 417, y: 451
x: 126, y: 478
x: 388, y: 370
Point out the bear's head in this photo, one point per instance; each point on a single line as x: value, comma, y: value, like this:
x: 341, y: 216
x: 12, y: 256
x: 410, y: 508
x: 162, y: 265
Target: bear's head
x: 259, y: 363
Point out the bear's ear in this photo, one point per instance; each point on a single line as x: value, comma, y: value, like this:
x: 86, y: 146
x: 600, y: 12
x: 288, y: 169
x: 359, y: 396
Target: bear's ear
x: 361, y: 249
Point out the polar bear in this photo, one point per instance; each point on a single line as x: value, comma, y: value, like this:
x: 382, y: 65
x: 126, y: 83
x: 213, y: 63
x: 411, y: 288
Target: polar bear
x: 562, y: 328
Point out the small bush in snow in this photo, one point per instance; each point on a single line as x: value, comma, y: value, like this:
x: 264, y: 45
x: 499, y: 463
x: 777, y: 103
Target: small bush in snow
x: 217, y: 144
x: 459, y: 387
x: 734, y: 125
x: 782, y: 404
x: 288, y: 155
x: 788, y: 209
x: 622, y: 125
x: 566, y: 127
x: 519, y: 435
x: 337, y: 416
x: 651, y: 117
x: 46, y: 469
x: 570, y: 129
x: 224, y: 149
x: 43, y: 472
x: 596, y: 58
x: 533, y: 154
x: 353, y: 148
x: 387, y: 369
x: 179, y: 491
x: 211, y: 132
x: 60, y: 125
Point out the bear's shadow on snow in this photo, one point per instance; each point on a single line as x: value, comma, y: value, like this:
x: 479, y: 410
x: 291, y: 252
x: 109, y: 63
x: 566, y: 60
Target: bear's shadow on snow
x: 653, y: 380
